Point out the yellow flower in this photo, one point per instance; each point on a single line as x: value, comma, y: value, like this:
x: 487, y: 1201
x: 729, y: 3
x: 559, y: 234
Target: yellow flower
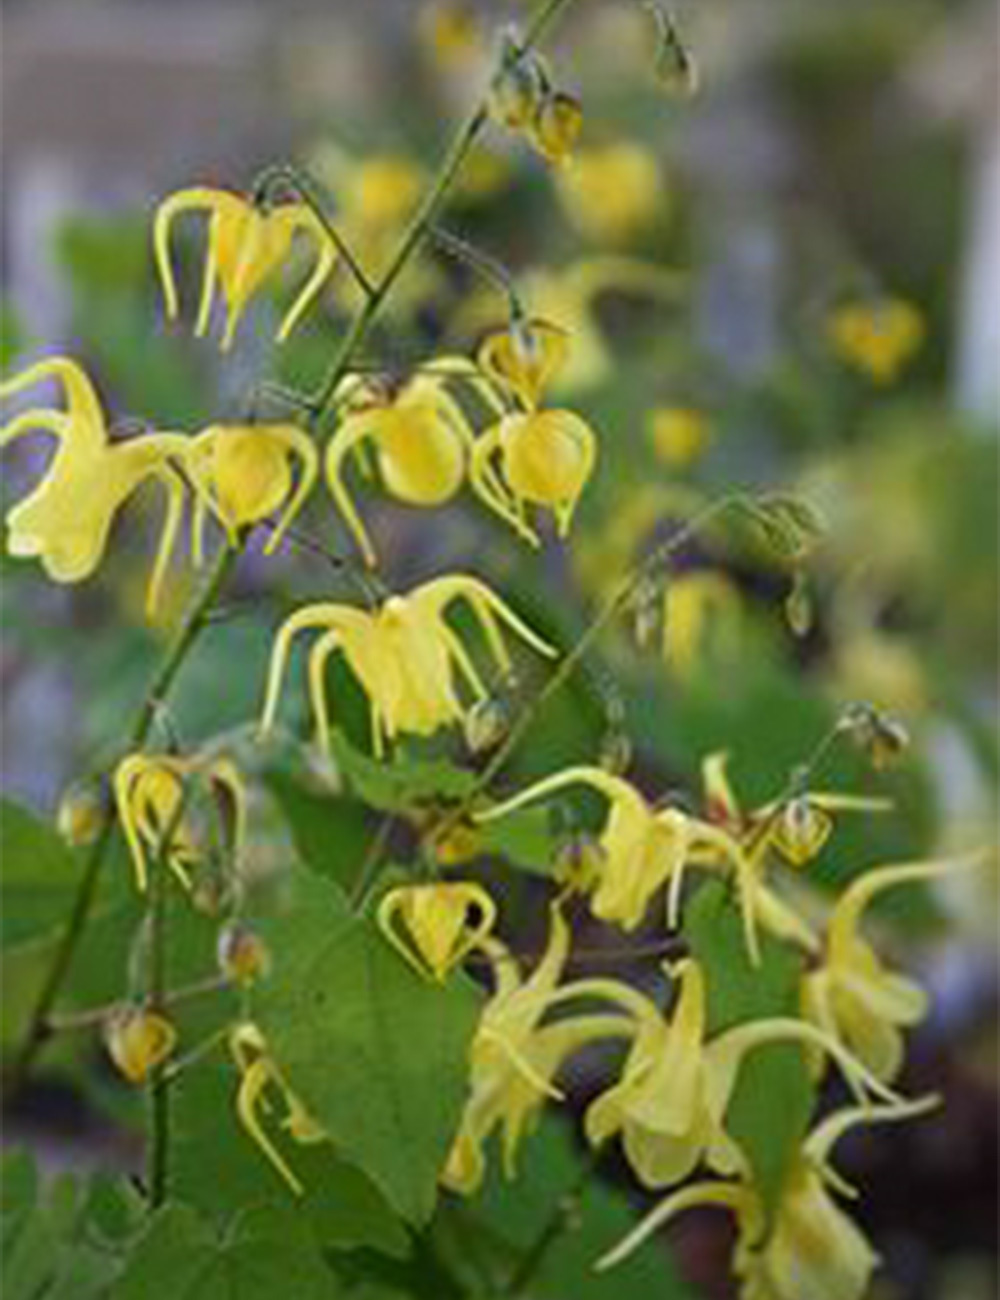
x: 544, y: 457
x: 404, y: 654
x: 245, y: 245
x: 243, y: 473
x: 612, y: 192
x: 556, y: 125
x: 138, y: 1040
x: 66, y: 519
x: 679, y: 435
x: 702, y: 622
x: 451, y: 33
x: 642, y: 848
x: 671, y: 1100
x: 813, y: 1250
x: 853, y: 996
x: 151, y: 794
x: 258, y: 1072
x: 422, y: 444
x: 442, y: 923
x: 81, y: 813
x: 515, y: 1057
x: 877, y: 337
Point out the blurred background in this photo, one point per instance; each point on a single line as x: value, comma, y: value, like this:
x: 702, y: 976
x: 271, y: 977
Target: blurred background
x: 787, y: 281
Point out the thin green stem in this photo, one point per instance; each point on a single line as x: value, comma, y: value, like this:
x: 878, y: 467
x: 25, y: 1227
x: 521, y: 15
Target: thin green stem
x: 158, y: 1141
x: 560, y: 1219
x: 38, y: 1029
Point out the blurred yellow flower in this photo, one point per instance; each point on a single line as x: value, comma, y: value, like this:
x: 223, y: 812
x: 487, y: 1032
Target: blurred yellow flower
x: 877, y: 337
x: 679, y: 435
x: 702, y: 622
x: 66, y: 519
x: 556, y: 126
x: 451, y: 33
x: 612, y: 192
x: 404, y: 654
x: 434, y: 926
x: 258, y: 1073
x: 138, y: 1040
x: 246, y: 244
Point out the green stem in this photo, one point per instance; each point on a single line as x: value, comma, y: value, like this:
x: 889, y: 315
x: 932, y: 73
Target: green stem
x: 552, y: 1229
x: 38, y: 1029
x: 158, y: 1141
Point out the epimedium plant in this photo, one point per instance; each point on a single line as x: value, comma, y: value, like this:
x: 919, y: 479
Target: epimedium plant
x: 351, y: 1077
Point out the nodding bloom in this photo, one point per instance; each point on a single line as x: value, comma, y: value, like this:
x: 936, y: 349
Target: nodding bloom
x: 66, y: 519
x: 877, y: 337
x: 612, y: 192
x: 434, y: 926
x: 642, y: 849
x: 421, y: 442
x: 151, y: 793
x: 258, y: 1075
x: 138, y: 1040
x: 671, y: 1100
x: 515, y: 1056
x: 813, y: 1250
x: 243, y: 473
x: 245, y: 245
x: 556, y: 125
x: 404, y: 654
x: 241, y: 955
x: 853, y: 996
x: 543, y: 457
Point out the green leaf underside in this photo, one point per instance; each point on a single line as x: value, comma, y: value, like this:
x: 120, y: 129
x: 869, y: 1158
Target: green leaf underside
x: 771, y: 1107
x: 377, y: 1054
x: 402, y: 783
x: 217, y: 1168
x: 262, y: 1254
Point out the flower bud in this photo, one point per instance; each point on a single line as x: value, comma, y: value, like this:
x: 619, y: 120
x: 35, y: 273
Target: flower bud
x: 138, y: 1040
x: 242, y: 955
x: 485, y: 725
x: 459, y: 843
x: 801, y: 831
x: 578, y: 861
x: 556, y: 126
x: 517, y: 91
x: 81, y: 813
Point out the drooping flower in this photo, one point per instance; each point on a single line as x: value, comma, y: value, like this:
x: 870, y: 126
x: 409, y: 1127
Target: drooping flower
x: 246, y: 244
x: 643, y: 849
x: 515, y: 1056
x: 670, y: 1102
x: 241, y: 954
x: 421, y: 440
x: 151, y: 793
x: 434, y: 926
x: 533, y: 456
x: 813, y: 1250
x: 138, y: 1040
x: 405, y: 655
x: 877, y: 337
x: 66, y: 519
x: 556, y: 126
x: 258, y: 1075
x: 243, y: 473
x: 853, y: 995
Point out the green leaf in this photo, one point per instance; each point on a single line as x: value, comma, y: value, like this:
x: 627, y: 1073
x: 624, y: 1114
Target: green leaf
x: 402, y: 783
x: 485, y: 1239
x: 217, y: 1168
x: 67, y: 1244
x: 524, y: 837
x: 263, y: 1253
x: 332, y: 833
x: 773, y: 1101
x: 38, y: 874
x: 377, y: 1054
